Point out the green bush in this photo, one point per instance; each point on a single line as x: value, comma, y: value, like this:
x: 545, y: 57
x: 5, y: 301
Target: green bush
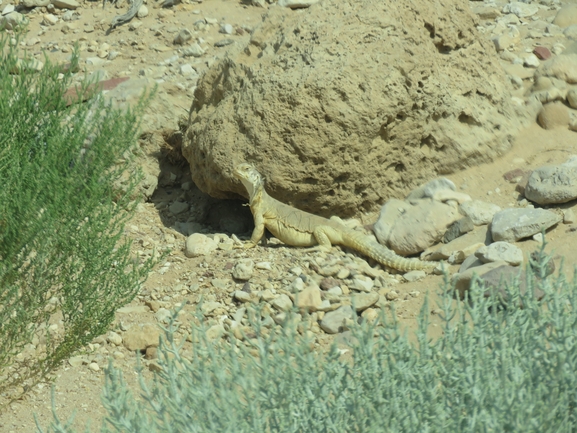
x: 496, y: 368
x: 62, y: 253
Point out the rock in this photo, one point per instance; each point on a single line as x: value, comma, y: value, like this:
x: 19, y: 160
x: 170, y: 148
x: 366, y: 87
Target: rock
x: 507, y: 40
x: 458, y: 228
x: 414, y: 276
x: 35, y: 3
x: 531, y: 61
x: 572, y: 98
x: 566, y: 16
x: 182, y: 36
x: 480, y: 212
x: 508, y: 276
x: 227, y: 29
x: 553, y: 115
x: 199, y: 245
x: 282, y: 303
x: 362, y: 301
x: 224, y: 42
x: 486, y: 12
x: 363, y: 159
x: 94, y: 366
x: 571, y: 32
x: 193, y: 50
x: 568, y: 216
x: 296, y: 4
x: 563, y: 67
x: 163, y: 315
x: 470, y: 262
x: 522, y: 10
x: 462, y: 281
x: 500, y: 252
x: 542, y: 53
x: 215, y: 332
x: 49, y: 19
x: 114, y: 338
x: 12, y: 20
x: 142, y: 12
x: 510, y: 225
x: 362, y: 283
x: 339, y: 320
x: 309, y: 299
x: 66, y: 4
x: 553, y: 184
x: 392, y: 295
x: 187, y: 70
x: 243, y: 269
x: 411, y: 228
x: 139, y: 337
x: 428, y: 189
x: 178, y: 207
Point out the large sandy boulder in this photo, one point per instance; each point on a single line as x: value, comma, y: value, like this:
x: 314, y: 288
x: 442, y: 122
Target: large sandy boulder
x: 348, y: 103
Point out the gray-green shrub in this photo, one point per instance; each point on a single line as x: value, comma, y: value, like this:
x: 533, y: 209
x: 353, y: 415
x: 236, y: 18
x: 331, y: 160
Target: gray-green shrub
x: 496, y: 368
x: 63, y: 255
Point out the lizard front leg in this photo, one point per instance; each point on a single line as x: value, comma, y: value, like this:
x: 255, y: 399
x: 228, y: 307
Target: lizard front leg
x: 258, y: 232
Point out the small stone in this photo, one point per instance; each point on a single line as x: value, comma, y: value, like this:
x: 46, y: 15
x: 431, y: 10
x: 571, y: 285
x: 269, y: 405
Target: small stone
x: 392, y: 295
x: 187, y: 70
x: 510, y: 225
x: 542, y: 53
x: 142, y: 12
x: 309, y: 299
x: 553, y: 184
x: 362, y: 283
x: 114, y: 338
x: 572, y: 98
x: 500, y: 251
x: 35, y: 3
x: 49, y: 20
x: 243, y: 269
x: 296, y: 4
x: 94, y: 366
x: 163, y: 315
x: 522, y: 10
x: 198, y: 244
x: 227, y: 29
x: 223, y: 43
x: 215, y: 332
x: 183, y: 36
x: 76, y: 361
x: 531, y: 61
x: 139, y: 337
x: 66, y: 4
x: 480, y: 212
x: 329, y: 283
x: 362, y: 301
x: 568, y: 216
x: 178, y: 207
x: 553, y: 115
x: 282, y: 303
x: 193, y: 50
x: 241, y: 296
x: 458, y: 229
x: 413, y: 276
x: 339, y: 320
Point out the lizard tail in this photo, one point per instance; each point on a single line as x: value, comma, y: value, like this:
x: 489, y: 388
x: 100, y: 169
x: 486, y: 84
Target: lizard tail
x: 387, y: 257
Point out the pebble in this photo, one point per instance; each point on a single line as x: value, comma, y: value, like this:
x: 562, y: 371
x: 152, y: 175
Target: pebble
x: 522, y: 10
x: 428, y: 189
x: 49, y: 19
x: 392, y: 295
x: 309, y: 299
x: 142, y: 12
x: 296, y: 4
x: 223, y: 42
x: 193, y: 50
x: 198, y: 244
x: 35, y: 3
x: 139, y: 337
x: 362, y: 301
x: 413, y: 276
x: 94, y: 366
x: 531, y: 61
x: 542, y: 53
x: 572, y: 98
x: 510, y: 225
x: 187, y: 70
x: 183, y: 36
x: 553, y: 115
x: 243, y: 269
x: 226, y: 29
x: 553, y: 184
x: 500, y: 251
x: 480, y: 212
x: 568, y: 216
x: 338, y: 320
x: 362, y: 283
x: 163, y: 315
x: 282, y: 303
x: 114, y: 338
x: 458, y: 229
x: 66, y: 4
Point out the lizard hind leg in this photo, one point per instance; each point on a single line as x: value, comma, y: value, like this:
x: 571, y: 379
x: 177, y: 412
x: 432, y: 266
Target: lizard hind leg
x: 323, y: 241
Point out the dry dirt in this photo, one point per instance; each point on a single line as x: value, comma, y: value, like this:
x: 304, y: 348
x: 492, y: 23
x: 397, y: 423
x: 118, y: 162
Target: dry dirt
x: 78, y: 389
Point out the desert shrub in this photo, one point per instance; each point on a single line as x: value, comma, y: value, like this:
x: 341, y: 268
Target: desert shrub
x: 497, y: 367
x: 64, y: 264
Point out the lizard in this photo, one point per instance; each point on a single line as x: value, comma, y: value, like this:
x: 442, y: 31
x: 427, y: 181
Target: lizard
x: 298, y: 228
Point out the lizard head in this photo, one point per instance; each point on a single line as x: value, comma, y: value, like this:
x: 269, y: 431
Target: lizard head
x: 250, y: 178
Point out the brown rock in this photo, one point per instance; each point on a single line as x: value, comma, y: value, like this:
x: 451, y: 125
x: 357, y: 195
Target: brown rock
x: 553, y: 115
x: 309, y: 299
x: 542, y: 53
x: 514, y: 176
x: 140, y: 337
x: 365, y: 113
